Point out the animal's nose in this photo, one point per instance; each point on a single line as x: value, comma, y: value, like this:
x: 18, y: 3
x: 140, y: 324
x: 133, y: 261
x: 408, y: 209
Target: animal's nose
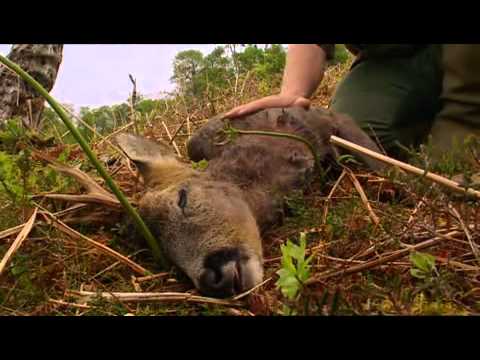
x: 227, y: 273
x: 221, y: 282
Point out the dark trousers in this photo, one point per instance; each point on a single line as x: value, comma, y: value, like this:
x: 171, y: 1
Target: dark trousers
x: 394, y: 100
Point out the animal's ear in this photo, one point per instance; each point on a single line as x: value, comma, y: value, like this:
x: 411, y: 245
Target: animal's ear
x: 202, y: 144
x: 156, y: 161
x: 347, y: 129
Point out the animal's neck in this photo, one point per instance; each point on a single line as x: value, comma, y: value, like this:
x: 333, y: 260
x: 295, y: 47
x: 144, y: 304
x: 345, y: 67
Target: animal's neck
x: 265, y: 172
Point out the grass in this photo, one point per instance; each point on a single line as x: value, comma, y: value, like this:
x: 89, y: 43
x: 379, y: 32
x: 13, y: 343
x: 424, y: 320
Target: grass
x: 411, y: 210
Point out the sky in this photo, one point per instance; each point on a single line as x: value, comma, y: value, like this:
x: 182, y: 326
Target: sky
x: 96, y: 75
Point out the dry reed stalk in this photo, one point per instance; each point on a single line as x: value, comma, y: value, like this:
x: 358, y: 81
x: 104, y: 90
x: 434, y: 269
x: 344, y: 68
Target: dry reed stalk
x: 473, y: 246
x: 109, y: 136
x: 64, y: 303
x: 171, y: 139
x: 151, y: 277
x: 329, y: 197
x: 363, y: 197
x: 102, y: 248
x: 16, y: 229
x: 382, y: 260
x: 19, y: 240
x: 152, y: 297
x: 404, y: 166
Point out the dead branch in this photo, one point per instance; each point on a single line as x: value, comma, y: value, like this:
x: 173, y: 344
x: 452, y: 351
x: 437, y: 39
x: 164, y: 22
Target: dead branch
x: 329, y: 197
x: 178, y: 130
x: 473, y: 246
x: 407, y: 167
x: 363, y: 197
x: 242, y: 295
x: 171, y: 139
x: 19, y: 240
x: 50, y: 218
x: 133, y: 103
x: 87, y: 199
x: 16, y: 229
x: 64, y: 303
x: 152, y: 297
x: 151, y: 277
x: 109, y: 136
x: 95, y: 193
x: 12, y: 231
x: 384, y: 259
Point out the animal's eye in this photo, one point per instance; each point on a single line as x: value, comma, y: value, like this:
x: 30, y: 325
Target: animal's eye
x: 182, y: 198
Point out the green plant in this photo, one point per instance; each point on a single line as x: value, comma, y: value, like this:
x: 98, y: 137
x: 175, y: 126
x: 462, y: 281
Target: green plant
x: 341, y: 54
x: 423, y: 265
x: 11, y: 133
x: 200, y: 165
x: 346, y: 159
x: 295, y: 268
x: 10, y: 177
x: 295, y: 203
x: 142, y: 227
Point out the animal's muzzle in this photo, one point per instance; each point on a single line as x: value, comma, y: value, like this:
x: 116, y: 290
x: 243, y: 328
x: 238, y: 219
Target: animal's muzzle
x: 228, y: 272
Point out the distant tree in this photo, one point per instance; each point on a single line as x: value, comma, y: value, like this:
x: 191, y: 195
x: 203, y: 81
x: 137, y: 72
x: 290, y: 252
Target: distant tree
x: 146, y: 106
x: 217, y: 69
x: 250, y: 57
x: 186, y: 66
x: 196, y: 75
x: 272, y: 64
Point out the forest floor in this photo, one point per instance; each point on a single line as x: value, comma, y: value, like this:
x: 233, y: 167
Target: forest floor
x: 410, y: 249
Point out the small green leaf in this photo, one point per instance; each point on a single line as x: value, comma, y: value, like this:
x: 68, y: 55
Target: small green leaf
x: 345, y: 159
x: 288, y: 284
x: 18, y: 270
x: 418, y: 273
x: 200, y: 165
x: 422, y: 261
x: 293, y: 273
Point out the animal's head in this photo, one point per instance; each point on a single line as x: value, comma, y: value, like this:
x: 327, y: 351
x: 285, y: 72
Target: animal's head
x: 203, y: 226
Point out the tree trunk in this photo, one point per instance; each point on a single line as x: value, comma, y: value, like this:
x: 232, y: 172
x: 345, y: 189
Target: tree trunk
x: 16, y: 97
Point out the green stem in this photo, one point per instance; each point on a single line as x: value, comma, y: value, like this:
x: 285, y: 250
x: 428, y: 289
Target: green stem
x: 142, y: 227
x: 281, y: 135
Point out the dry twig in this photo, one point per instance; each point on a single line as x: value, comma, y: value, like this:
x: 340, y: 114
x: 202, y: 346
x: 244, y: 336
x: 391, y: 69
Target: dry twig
x: 102, y: 248
x: 329, y: 197
x: 171, y: 139
x: 407, y: 167
x: 153, y: 297
x: 382, y: 260
x: 19, y: 240
x: 363, y: 196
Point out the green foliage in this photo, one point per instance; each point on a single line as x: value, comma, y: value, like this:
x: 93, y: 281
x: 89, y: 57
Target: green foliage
x: 187, y: 67
x: 295, y: 203
x: 347, y: 159
x: 11, y: 133
x: 341, y: 54
x: 295, y: 268
x: 273, y: 63
x: 423, y: 265
x: 144, y: 106
x: 200, y: 165
x: 199, y: 79
x: 250, y: 57
x: 20, y: 177
x: 103, y: 119
x: 197, y: 75
x: 10, y: 177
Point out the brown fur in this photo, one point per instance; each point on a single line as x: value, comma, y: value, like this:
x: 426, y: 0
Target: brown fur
x: 238, y: 196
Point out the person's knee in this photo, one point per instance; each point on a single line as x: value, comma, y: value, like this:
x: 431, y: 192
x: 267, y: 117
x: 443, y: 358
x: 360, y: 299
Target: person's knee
x: 446, y: 134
